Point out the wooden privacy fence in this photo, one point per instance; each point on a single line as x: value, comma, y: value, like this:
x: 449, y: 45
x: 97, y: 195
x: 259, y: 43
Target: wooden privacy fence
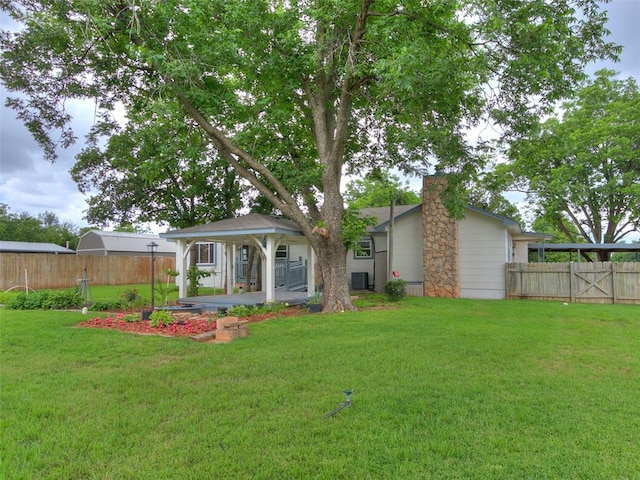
x: 597, y: 282
x: 64, y: 271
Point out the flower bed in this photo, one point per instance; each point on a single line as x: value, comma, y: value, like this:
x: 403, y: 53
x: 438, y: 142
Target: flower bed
x: 182, y: 327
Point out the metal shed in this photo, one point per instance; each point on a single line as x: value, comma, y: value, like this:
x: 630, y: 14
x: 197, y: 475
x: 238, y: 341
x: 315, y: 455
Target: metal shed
x: 33, y: 247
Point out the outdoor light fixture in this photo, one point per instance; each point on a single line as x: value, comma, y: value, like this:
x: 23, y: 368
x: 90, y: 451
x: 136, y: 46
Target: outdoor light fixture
x: 152, y: 248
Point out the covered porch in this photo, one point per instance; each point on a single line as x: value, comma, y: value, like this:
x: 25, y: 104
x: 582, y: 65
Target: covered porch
x: 266, y: 232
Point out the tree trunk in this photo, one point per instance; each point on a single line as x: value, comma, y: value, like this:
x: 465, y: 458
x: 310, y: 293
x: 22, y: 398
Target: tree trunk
x: 332, y: 257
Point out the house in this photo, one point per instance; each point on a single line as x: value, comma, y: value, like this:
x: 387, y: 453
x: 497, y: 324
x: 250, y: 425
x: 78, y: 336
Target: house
x: 437, y: 255
x: 98, y: 242
x: 33, y: 247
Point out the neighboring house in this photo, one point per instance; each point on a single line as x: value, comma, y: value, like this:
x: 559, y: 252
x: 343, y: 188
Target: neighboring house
x: 98, y: 242
x: 436, y: 254
x: 33, y: 247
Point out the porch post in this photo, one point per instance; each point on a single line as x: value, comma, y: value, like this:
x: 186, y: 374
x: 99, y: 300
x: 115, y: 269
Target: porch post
x: 311, y: 271
x: 182, y: 265
x: 230, y: 260
x: 270, y: 268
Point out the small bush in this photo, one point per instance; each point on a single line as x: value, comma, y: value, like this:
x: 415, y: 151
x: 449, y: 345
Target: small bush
x: 130, y: 295
x: 395, y: 289
x: 63, y: 299
x: 161, y: 317
x: 194, y: 275
x: 248, y: 310
x: 45, y: 300
x: 242, y: 310
x: 104, y: 305
x: 131, y: 317
x: 22, y: 301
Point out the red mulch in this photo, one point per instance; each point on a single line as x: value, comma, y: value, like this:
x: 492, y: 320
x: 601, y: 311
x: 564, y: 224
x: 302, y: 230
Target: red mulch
x: 186, y: 325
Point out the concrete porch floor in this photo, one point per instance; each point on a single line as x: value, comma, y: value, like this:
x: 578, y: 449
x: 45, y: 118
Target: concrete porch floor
x: 212, y: 302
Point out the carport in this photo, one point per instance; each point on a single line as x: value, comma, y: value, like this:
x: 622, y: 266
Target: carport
x: 580, y: 248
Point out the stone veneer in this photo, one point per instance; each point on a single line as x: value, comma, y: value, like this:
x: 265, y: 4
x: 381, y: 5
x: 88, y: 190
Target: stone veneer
x: 440, y: 242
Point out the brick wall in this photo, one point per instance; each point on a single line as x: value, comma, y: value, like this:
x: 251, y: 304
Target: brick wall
x: 440, y: 247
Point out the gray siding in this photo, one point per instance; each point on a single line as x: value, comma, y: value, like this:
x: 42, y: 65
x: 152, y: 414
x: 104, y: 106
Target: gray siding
x: 483, y: 250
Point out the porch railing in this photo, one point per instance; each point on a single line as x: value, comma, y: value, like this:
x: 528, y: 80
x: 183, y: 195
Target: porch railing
x: 291, y: 274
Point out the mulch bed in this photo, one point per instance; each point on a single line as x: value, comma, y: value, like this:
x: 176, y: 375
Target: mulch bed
x: 186, y: 324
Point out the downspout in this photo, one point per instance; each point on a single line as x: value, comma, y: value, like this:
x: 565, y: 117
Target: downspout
x: 390, y: 241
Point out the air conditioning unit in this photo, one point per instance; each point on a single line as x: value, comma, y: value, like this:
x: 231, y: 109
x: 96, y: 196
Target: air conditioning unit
x: 359, y: 280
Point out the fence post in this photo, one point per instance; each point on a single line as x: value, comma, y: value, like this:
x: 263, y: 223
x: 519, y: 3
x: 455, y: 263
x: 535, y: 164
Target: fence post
x: 506, y: 280
x: 614, y: 278
x: 572, y: 281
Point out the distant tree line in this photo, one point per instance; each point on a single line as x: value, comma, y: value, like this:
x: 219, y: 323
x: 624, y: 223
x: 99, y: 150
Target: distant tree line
x: 46, y: 228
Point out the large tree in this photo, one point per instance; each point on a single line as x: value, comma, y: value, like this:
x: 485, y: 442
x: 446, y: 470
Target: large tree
x: 379, y: 190
x: 158, y: 168
x: 294, y: 93
x: 581, y: 168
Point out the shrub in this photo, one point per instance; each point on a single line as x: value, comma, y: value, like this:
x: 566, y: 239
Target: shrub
x: 395, y: 289
x: 248, y: 310
x: 103, y: 305
x: 131, y: 317
x: 45, y: 300
x: 194, y: 275
x: 22, y: 301
x: 130, y: 295
x: 161, y: 317
x: 242, y: 310
x: 63, y: 299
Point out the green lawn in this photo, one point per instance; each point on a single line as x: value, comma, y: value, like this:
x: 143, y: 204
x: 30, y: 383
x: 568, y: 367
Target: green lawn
x: 444, y: 389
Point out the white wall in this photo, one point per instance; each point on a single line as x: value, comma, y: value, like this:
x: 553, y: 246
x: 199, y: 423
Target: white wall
x: 484, y: 246
x: 521, y: 252
x: 217, y: 280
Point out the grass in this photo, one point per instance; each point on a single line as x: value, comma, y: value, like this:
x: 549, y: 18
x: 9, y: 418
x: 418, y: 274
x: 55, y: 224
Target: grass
x: 444, y: 389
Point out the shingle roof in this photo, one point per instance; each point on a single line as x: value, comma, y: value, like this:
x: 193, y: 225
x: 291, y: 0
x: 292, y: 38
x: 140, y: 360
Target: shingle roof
x: 251, y: 224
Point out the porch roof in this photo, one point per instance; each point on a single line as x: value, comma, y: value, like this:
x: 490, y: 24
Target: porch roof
x: 237, y: 230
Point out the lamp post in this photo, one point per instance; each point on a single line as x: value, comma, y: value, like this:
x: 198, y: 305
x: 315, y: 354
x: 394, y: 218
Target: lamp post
x: 153, y: 248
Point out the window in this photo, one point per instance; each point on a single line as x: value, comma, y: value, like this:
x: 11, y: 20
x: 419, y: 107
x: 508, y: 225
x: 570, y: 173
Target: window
x: 364, y: 249
x: 282, y: 251
x: 206, y: 253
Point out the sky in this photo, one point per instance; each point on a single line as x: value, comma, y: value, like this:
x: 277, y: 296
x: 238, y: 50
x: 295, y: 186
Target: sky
x: 28, y: 183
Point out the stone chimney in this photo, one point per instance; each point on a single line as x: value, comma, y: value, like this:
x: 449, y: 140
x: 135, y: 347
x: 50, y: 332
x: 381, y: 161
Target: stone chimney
x: 440, y: 241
